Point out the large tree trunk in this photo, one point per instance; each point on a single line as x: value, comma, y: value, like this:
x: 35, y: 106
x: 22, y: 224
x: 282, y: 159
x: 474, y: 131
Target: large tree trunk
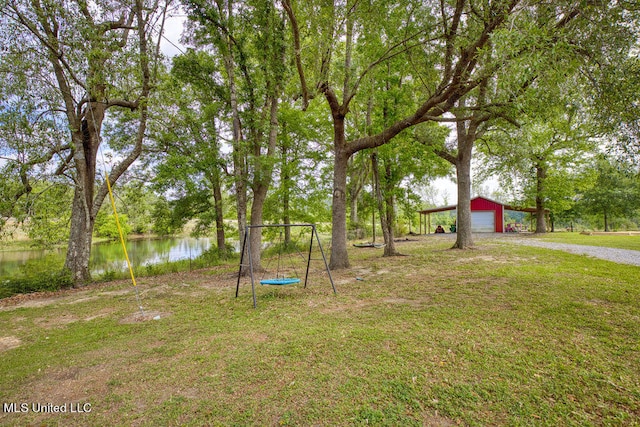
x: 262, y: 180
x: 339, y: 257
x: 464, y: 236
x: 80, y: 237
x: 541, y: 175
x: 86, y: 143
x: 466, y: 139
x: 239, y: 159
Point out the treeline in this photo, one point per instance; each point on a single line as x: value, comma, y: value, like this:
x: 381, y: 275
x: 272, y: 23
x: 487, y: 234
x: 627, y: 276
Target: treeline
x: 289, y: 111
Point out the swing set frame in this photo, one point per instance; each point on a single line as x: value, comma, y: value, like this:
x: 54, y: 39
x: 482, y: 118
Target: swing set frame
x: 246, y: 247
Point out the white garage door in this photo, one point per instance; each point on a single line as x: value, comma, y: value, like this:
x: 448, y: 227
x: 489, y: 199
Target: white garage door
x: 483, y: 222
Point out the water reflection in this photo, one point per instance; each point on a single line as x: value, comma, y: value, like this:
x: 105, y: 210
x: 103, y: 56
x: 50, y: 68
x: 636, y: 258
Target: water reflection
x: 109, y: 256
x: 11, y: 261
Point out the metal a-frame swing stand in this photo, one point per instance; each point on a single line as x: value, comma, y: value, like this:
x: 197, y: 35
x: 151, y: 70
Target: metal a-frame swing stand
x: 246, y: 244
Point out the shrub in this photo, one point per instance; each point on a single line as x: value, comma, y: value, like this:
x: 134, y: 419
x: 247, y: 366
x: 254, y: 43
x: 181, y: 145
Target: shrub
x: 106, y: 226
x: 46, y: 274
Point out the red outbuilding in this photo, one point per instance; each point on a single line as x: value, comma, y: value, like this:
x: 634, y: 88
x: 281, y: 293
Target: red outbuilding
x: 487, y: 216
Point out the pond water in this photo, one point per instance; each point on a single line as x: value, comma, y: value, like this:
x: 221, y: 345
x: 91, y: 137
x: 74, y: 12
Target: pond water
x: 109, y: 256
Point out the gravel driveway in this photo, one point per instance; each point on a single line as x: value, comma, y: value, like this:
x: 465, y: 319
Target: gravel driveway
x: 622, y: 256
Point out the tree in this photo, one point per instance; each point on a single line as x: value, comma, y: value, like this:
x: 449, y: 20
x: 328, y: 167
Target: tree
x: 106, y: 226
x: 187, y: 155
x: 23, y: 195
x: 445, y: 43
x: 612, y: 67
x: 400, y: 164
x: 44, y: 214
x: 539, y: 50
x: 137, y: 203
x: 615, y: 192
x: 540, y: 158
x: 554, y: 131
x: 300, y: 189
x: 85, y: 61
x: 249, y: 38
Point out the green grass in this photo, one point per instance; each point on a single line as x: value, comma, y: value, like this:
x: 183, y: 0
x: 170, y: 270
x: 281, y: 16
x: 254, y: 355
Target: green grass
x: 499, y: 335
x: 621, y: 241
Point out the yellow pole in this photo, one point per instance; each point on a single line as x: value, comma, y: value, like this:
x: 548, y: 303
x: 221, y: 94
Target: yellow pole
x: 124, y: 247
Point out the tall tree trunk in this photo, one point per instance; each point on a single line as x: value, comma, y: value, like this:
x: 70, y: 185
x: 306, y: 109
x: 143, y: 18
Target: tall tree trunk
x: 262, y: 180
x: 466, y: 138
x: 353, y: 210
x: 339, y: 257
x: 353, y: 191
x: 86, y: 143
x: 239, y: 156
x: 285, y: 184
x: 390, y: 213
x: 464, y: 235
x: 383, y: 210
x: 541, y: 175
x: 219, y: 215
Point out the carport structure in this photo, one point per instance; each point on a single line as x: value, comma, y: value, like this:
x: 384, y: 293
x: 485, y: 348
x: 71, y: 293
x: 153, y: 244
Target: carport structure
x: 487, y: 216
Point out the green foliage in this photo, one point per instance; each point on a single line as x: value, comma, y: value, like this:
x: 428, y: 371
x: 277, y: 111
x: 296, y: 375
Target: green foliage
x: 302, y: 170
x: 213, y: 256
x: 107, y: 226
x: 44, y: 274
x: 164, y: 223
x: 539, y: 160
x: 66, y: 68
x: 48, y: 215
x: 136, y: 202
x: 615, y: 192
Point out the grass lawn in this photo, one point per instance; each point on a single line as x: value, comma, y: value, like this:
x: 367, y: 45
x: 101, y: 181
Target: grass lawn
x: 620, y: 241
x: 498, y: 335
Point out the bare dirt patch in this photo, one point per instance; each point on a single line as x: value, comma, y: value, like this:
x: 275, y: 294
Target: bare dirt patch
x: 81, y: 300
x: 145, y: 316
x: 8, y: 343
x: 105, y: 312
x: 45, y: 298
x: 54, y: 322
x: 63, y: 386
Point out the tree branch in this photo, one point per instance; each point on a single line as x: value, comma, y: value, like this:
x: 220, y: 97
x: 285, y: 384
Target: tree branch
x: 297, y: 50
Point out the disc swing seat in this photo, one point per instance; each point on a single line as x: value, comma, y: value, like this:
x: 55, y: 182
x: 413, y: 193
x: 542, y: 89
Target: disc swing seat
x: 279, y: 280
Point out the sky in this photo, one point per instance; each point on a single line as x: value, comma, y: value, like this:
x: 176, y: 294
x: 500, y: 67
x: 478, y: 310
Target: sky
x: 170, y: 44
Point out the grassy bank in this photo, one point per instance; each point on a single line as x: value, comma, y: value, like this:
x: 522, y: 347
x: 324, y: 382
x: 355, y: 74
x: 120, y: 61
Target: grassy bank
x: 499, y: 335
x: 45, y: 273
